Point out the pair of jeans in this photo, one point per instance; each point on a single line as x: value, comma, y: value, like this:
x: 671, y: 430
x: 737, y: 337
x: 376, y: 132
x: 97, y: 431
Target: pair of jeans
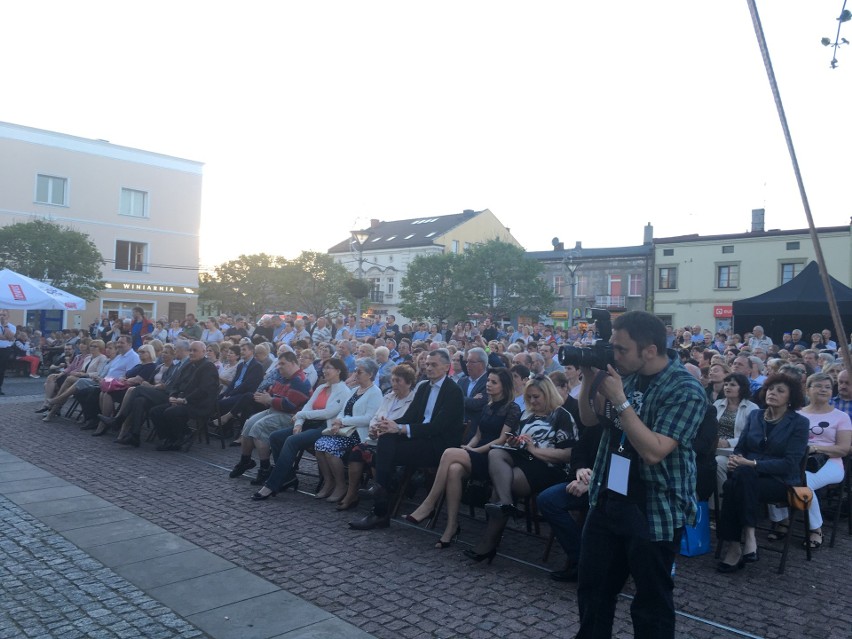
x: 285, y: 447
x: 616, y: 544
x: 555, y: 504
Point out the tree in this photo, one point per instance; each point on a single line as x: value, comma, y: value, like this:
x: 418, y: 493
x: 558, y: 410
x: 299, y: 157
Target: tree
x: 248, y: 284
x: 431, y: 289
x: 499, y: 280
x: 315, y: 283
x: 45, y: 251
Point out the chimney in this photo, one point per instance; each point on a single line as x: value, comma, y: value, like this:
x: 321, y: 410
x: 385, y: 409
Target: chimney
x: 557, y: 245
x: 649, y: 234
x: 374, y: 223
x: 757, y: 220
x: 578, y: 246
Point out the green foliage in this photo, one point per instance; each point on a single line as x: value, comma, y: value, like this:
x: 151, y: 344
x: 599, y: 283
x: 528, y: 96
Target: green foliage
x: 260, y: 283
x: 494, y: 278
x: 45, y: 251
x: 358, y: 289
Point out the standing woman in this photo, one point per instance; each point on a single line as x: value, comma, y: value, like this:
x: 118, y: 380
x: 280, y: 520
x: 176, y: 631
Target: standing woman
x: 356, y: 414
x: 766, y: 459
x: 499, y: 419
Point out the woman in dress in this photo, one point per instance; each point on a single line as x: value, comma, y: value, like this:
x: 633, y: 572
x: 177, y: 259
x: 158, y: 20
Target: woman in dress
x: 139, y: 374
x: 499, y: 420
x: 393, y: 406
x: 829, y: 441
x: 346, y: 430
x: 732, y: 412
x: 542, y: 451
x: 766, y: 459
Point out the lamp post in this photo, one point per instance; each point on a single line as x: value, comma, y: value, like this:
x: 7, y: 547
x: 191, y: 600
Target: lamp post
x: 571, y: 265
x: 360, y: 237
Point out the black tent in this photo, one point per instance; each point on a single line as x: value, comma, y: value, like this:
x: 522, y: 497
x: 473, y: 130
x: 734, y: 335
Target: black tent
x: 800, y: 303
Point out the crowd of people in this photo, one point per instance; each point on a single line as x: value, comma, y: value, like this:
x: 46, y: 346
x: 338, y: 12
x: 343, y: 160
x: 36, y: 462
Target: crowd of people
x: 495, y: 415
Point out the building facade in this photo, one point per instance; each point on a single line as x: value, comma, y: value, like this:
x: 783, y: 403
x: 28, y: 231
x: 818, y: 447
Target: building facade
x: 697, y: 278
x: 141, y: 209
x: 615, y: 278
x: 390, y: 247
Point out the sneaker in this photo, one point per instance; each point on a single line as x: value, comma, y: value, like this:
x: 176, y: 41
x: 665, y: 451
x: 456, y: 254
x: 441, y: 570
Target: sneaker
x: 241, y: 467
x: 35, y: 376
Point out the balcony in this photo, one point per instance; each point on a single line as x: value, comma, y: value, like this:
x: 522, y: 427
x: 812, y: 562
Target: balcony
x: 609, y: 301
x: 377, y: 297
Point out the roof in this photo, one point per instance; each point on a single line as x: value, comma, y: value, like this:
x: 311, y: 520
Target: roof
x: 413, y: 232
x: 591, y: 253
x: 694, y: 237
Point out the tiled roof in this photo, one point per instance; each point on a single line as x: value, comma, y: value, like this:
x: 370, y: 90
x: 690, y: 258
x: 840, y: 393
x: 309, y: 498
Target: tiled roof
x: 591, y: 253
x: 416, y: 231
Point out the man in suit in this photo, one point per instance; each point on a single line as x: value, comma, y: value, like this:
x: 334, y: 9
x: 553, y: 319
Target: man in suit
x: 193, y: 395
x: 473, y: 387
x: 247, y: 378
x: 431, y: 424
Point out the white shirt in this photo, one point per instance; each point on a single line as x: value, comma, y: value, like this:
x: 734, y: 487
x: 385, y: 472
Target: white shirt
x: 7, y: 343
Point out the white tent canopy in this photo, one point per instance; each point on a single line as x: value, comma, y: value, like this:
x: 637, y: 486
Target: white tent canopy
x: 20, y: 292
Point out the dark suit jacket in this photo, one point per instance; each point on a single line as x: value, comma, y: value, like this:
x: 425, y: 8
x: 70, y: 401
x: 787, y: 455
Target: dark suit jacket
x: 249, y: 384
x: 473, y: 407
x: 198, y: 383
x: 782, y: 453
x: 445, y: 428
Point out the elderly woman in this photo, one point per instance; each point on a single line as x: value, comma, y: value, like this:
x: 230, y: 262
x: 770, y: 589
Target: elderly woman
x: 499, y: 420
x: 89, y: 375
x: 347, y: 430
x: 306, y: 363
x: 766, y: 459
x: 829, y: 441
x: 540, y: 453
x: 229, y: 356
x: 393, y: 406
x: 139, y: 374
x: 732, y: 412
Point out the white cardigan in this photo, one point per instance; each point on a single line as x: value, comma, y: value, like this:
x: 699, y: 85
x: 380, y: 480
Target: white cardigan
x: 336, y: 401
x: 362, y: 411
x: 743, y: 411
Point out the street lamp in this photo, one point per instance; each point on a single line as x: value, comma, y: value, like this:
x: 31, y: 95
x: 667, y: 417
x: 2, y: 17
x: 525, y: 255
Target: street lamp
x: 571, y: 265
x: 360, y: 238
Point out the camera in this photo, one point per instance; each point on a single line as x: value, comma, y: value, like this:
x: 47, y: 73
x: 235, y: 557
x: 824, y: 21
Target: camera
x: 600, y: 354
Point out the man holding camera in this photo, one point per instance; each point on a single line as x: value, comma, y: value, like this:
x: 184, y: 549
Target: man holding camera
x: 642, y: 491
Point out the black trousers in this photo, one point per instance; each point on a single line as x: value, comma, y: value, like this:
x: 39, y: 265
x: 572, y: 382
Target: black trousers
x: 143, y: 399
x: 90, y: 401
x: 170, y: 421
x: 399, y: 450
x: 5, y: 358
x: 744, y: 491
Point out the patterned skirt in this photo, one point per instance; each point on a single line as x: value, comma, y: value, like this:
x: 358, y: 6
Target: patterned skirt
x: 336, y: 445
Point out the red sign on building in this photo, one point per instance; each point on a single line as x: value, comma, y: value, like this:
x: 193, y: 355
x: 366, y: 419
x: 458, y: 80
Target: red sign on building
x: 720, y: 312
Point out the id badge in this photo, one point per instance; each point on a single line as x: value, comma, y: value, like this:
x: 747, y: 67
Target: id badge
x: 619, y: 471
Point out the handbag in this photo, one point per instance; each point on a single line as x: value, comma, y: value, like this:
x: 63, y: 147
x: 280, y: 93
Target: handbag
x: 799, y: 497
x: 696, y: 539
x: 343, y: 431
x: 815, y: 462
x: 112, y: 385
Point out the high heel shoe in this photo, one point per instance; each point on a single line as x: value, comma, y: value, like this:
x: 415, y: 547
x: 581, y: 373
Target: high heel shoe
x: 258, y: 497
x: 443, y: 545
x: 471, y: 554
x: 417, y: 522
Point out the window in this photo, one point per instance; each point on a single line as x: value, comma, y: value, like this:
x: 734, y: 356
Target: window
x: 390, y: 285
x: 582, y: 285
x: 667, y: 277
x: 558, y: 283
x: 634, y: 285
x: 467, y: 246
x: 51, y: 190
x: 130, y: 256
x: 668, y: 252
x: 614, y: 285
x: 789, y: 270
x: 728, y: 249
x: 728, y: 276
x: 376, y: 283
x: 792, y: 246
x: 455, y: 246
x: 133, y: 203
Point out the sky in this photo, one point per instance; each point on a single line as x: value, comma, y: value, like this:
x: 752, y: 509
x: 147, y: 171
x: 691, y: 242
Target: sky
x: 577, y: 120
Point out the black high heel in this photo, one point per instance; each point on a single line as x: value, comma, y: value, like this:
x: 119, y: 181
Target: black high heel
x: 471, y: 554
x: 442, y: 545
x: 258, y: 497
x: 417, y: 522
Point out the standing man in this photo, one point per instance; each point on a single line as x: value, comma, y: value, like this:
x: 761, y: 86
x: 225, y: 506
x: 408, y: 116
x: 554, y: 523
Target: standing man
x: 7, y: 340
x: 140, y: 327
x: 642, y: 491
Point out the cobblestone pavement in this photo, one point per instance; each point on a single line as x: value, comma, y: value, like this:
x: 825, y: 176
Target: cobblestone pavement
x: 53, y: 589
x: 392, y: 583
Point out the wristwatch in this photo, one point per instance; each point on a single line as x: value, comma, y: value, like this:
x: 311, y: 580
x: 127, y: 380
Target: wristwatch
x: 622, y: 407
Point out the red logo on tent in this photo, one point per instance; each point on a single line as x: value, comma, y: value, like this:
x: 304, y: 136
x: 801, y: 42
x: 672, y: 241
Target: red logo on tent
x: 71, y: 305
x: 17, y: 293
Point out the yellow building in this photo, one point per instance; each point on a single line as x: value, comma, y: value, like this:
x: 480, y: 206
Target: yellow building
x: 141, y: 209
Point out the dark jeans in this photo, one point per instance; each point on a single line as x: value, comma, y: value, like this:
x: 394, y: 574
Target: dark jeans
x: 744, y: 491
x: 5, y: 357
x: 285, y: 447
x: 170, y: 421
x: 555, y: 505
x: 616, y: 544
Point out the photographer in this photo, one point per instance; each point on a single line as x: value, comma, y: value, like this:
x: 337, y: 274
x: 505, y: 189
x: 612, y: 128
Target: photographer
x: 642, y: 490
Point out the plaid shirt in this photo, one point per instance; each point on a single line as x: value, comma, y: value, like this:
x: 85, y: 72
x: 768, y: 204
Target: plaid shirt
x: 672, y: 405
x: 842, y: 404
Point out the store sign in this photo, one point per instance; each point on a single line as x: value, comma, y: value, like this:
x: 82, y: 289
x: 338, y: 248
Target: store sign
x: 141, y: 287
x: 723, y: 311
x: 17, y: 293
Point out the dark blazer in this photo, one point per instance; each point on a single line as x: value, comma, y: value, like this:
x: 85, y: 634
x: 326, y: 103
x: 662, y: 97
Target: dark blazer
x: 445, y: 428
x: 786, y: 442
x: 249, y: 384
x: 198, y: 383
x: 473, y: 407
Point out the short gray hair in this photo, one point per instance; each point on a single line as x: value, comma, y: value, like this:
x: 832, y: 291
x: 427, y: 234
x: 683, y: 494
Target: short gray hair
x: 369, y: 365
x: 443, y: 353
x: 480, y: 353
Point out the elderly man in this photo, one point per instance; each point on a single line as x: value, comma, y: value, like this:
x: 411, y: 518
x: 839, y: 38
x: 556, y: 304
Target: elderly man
x: 826, y: 338
x: 797, y: 340
x: 843, y: 400
x: 321, y: 332
x: 193, y: 396
x: 432, y: 423
x: 759, y: 339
